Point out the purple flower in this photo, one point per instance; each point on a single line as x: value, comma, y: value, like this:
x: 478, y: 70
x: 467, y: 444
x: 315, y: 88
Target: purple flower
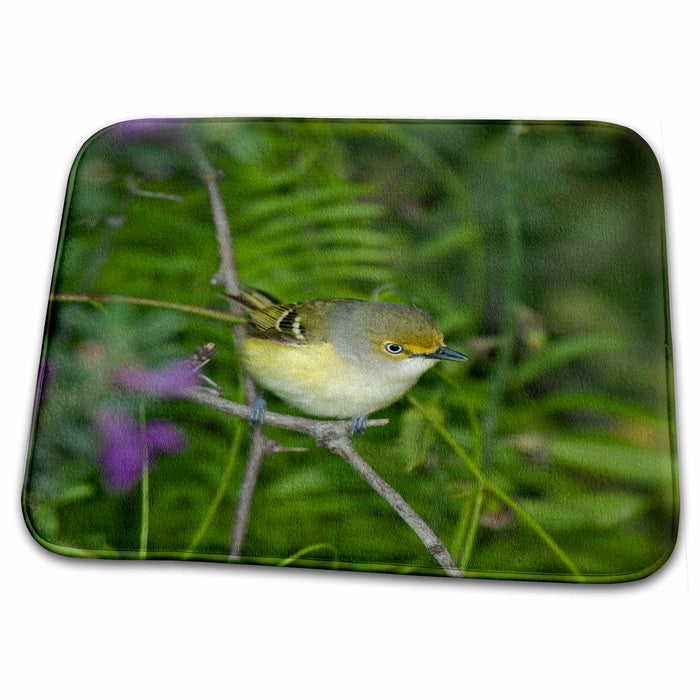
x: 125, y: 445
x: 172, y: 380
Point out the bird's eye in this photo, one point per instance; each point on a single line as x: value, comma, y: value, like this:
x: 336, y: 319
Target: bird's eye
x: 394, y: 348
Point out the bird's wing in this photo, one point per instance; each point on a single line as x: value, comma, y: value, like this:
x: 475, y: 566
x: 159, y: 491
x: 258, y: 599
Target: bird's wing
x: 252, y: 298
x: 304, y: 323
x: 281, y: 323
x: 269, y: 318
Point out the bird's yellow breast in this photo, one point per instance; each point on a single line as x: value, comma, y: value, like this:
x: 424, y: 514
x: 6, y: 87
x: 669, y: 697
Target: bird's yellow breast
x: 316, y: 380
x: 311, y: 367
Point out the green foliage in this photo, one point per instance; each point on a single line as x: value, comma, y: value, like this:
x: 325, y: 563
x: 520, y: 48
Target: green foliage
x: 555, y: 458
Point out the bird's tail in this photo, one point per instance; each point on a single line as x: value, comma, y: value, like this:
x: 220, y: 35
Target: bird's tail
x: 254, y: 299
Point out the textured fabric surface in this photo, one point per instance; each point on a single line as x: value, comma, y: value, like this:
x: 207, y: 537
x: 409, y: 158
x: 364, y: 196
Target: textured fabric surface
x: 536, y: 248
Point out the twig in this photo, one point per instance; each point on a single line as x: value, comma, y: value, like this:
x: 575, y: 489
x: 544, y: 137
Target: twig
x: 227, y: 276
x: 133, y: 187
x: 245, y: 493
x: 96, y: 299
x: 342, y: 447
x: 320, y: 430
x: 334, y: 435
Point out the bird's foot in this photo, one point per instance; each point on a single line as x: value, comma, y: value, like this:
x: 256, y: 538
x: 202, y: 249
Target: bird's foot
x: 358, y: 426
x: 257, y: 415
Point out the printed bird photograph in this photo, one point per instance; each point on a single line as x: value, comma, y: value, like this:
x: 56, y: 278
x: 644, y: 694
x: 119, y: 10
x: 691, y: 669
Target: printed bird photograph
x: 339, y: 358
x: 392, y: 346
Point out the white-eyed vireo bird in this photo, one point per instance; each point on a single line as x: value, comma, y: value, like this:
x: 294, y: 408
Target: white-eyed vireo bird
x: 339, y: 358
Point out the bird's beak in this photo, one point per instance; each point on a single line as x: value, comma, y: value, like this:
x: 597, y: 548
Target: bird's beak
x: 444, y: 353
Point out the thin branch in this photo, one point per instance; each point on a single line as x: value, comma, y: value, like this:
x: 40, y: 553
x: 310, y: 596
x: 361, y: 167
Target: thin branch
x: 335, y: 436
x: 133, y: 187
x: 155, y: 303
x: 320, y: 430
x: 343, y: 448
x: 245, y: 493
x: 227, y: 276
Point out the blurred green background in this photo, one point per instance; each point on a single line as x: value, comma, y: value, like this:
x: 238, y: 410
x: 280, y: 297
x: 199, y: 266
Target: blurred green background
x: 538, y: 248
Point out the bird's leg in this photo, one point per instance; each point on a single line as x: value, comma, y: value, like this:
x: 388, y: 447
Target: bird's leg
x: 358, y: 426
x: 258, y: 413
x: 257, y: 417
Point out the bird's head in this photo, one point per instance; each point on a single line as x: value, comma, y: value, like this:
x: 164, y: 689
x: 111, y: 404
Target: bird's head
x: 394, y: 337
